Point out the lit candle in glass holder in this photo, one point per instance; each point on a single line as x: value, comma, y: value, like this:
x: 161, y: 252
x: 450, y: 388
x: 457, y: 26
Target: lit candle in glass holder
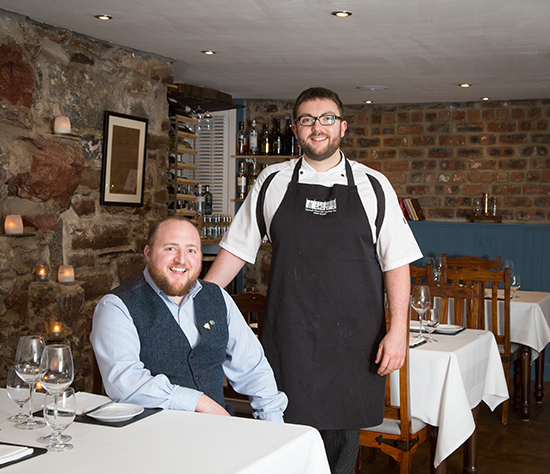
x: 65, y: 274
x: 42, y: 271
x: 55, y: 328
x: 62, y: 124
x: 13, y: 224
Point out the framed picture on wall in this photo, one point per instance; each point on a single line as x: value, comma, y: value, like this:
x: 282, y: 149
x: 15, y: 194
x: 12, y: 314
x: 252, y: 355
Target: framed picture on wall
x: 124, y: 153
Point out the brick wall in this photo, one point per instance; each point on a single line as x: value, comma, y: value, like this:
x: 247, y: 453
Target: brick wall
x: 445, y: 155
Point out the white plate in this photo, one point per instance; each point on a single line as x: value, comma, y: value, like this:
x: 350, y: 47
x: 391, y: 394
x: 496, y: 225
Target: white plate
x: 117, y: 412
x: 450, y: 328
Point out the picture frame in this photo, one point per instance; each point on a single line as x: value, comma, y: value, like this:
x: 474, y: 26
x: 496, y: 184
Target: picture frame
x: 124, y: 157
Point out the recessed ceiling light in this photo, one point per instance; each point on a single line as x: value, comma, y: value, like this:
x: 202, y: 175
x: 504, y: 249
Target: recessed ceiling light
x: 368, y: 101
x: 209, y: 52
x: 341, y: 13
x: 103, y: 17
x: 372, y: 88
x: 485, y: 98
x: 465, y: 85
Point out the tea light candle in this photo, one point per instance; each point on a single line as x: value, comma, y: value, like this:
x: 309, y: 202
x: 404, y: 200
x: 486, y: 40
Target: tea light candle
x: 42, y: 271
x: 55, y: 328
x: 65, y: 274
x: 62, y: 124
x: 13, y: 224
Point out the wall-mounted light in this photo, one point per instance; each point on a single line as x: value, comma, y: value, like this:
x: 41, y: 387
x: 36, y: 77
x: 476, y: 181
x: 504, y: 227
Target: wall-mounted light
x: 13, y: 224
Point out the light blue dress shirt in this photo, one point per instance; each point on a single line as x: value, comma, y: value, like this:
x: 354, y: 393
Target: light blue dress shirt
x: 116, y: 346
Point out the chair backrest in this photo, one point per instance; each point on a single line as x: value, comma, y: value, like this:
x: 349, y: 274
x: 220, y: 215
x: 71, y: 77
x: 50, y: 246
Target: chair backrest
x: 252, y: 305
x: 463, y: 302
x: 490, y: 282
x: 471, y: 261
x: 420, y: 275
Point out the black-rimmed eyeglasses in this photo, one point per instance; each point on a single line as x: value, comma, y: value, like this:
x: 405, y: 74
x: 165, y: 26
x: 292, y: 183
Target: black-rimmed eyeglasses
x: 325, y: 120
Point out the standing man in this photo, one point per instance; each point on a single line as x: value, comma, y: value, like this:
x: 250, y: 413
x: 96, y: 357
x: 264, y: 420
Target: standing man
x: 166, y: 339
x: 338, y: 239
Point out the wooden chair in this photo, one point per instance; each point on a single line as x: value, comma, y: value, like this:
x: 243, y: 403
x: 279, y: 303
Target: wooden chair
x: 420, y: 275
x: 471, y: 261
x: 466, y: 303
x: 252, y: 306
x: 490, y: 281
x: 399, y: 435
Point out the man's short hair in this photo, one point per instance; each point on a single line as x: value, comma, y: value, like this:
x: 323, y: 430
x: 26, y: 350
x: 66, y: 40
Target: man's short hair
x: 155, y: 227
x: 317, y: 93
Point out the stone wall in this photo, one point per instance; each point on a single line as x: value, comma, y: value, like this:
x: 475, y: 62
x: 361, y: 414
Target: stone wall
x: 447, y: 154
x: 54, y: 181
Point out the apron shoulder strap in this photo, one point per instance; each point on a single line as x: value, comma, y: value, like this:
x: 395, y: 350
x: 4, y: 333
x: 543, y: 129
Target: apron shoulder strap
x: 380, y: 203
x: 260, y: 218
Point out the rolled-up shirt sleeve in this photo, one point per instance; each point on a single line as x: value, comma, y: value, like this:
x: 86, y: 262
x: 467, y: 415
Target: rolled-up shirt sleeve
x: 116, y: 347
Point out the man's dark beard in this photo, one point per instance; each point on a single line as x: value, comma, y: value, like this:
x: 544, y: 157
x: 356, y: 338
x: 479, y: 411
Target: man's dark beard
x: 313, y: 155
x: 170, y: 290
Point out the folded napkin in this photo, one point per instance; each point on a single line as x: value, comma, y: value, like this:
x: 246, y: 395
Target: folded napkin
x: 10, y: 453
x: 85, y: 401
x: 414, y: 341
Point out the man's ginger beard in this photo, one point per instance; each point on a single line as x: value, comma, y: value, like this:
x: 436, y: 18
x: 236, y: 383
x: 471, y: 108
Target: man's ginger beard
x: 169, y: 289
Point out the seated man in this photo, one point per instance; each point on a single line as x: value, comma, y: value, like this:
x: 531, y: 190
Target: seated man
x: 166, y: 339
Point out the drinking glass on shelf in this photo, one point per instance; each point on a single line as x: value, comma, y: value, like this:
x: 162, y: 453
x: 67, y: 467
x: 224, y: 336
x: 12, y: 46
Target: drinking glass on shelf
x: 19, y: 391
x: 56, y: 374
x: 437, y: 271
x: 420, y: 302
x: 27, y: 365
x: 59, y: 413
x: 431, y: 321
x: 515, y: 283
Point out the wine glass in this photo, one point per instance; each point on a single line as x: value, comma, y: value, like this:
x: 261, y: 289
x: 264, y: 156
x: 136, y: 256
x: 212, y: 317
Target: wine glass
x: 437, y: 271
x: 27, y: 364
x: 56, y: 374
x: 515, y: 283
x: 431, y: 321
x: 19, y: 391
x: 508, y: 264
x: 59, y: 413
x: 420, y: 302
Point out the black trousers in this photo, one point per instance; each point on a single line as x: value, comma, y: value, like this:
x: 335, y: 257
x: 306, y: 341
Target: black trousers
x: 342, y: 447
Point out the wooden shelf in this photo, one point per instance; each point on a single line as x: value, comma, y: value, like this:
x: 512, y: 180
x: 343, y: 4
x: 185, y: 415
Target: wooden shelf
x: 497, y: 219
x: 184, y: 212
x: 184, y: 166
x: 186, y: 151
x: 189, y: 136
x: 186, y: 197
x: 184, y: 119
x: 206, y: 241
x: 190, y: 182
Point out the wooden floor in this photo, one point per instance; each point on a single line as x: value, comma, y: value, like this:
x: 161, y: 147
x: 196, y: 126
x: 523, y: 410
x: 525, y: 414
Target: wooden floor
x: 521, y: 447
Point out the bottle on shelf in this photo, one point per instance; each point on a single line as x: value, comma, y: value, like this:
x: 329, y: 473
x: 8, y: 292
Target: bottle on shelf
x: 241, y: 182
x: 199, y: 201
x: 289, y: 140
x: 240, y: 140
x: 253, y: 139
x: 252, y: 176
x: 277, y: 141
x: 266, y: 141
x: 207, y: 200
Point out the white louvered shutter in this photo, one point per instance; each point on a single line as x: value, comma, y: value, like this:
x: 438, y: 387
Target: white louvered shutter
x: 212, y: 159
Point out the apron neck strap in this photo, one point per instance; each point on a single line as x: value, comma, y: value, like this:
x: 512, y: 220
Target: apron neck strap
x: 349, y: 174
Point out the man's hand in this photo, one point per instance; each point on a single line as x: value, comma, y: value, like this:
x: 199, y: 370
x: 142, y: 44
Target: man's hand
x: 391, y: 352
x: 207, y: 405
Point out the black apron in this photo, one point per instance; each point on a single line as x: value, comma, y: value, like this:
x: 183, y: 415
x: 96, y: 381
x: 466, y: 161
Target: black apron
x: 324, y: 317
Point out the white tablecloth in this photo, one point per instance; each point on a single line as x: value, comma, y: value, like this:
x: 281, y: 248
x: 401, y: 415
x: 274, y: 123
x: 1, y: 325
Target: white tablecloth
x: 174, y: 441
x: 449, y: 378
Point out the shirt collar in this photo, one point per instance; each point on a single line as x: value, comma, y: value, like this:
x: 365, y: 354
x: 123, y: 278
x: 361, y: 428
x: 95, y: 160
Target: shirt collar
x: 337, y: 169
x: 163, y: 295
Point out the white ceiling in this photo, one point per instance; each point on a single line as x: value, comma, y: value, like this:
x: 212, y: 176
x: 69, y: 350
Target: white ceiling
x: 419, y: 49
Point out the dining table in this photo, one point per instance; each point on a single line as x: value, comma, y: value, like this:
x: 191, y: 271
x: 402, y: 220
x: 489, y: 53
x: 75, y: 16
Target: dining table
x: 530, y: 329
x: 448, y: 381
x: 170, y: 440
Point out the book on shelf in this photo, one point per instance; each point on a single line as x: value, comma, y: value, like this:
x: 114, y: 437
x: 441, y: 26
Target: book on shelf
x: 411, y: 209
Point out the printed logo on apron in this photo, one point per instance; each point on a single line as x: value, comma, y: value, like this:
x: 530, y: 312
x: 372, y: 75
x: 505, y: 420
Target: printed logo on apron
x: 321, y: 208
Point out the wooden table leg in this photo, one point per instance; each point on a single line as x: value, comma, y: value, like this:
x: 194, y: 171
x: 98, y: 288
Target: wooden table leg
x: 525, y: 383
x: 470, y: 447
x: 539, y: 377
